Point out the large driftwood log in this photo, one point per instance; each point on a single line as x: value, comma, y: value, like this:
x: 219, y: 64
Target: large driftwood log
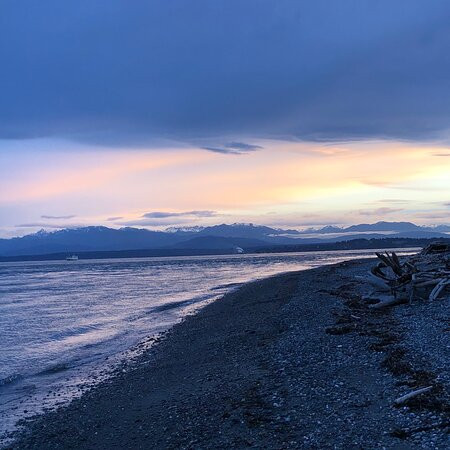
x: 427, y: 271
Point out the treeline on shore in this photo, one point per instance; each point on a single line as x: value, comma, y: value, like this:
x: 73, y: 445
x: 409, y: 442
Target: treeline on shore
x: 355, y: 244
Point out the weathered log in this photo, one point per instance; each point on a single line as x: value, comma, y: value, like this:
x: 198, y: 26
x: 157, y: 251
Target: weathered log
x: 428, y: 269
x: 376, y: 271
x: 405, y: 398
x: 412, y: 291
x: 401, y: 283
x: 421, y: 284
x: 386, y: 303
x: 438, y: 288
x: 376, y: 282
x: 389, y: 262
x: 396, y: 260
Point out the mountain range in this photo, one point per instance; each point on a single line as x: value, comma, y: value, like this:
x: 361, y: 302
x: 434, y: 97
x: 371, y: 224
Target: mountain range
x: 217, y: 237
x: 397, y: 227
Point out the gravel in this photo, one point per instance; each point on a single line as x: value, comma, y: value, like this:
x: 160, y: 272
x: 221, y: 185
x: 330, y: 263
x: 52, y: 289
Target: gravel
x: 292, y: 361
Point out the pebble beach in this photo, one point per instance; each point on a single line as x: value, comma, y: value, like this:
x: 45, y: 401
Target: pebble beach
x: 293, y: 361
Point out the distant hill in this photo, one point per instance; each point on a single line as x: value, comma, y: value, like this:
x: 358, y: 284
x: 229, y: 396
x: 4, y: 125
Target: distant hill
x: 384, y: 226
x: 217, y: 242
x: 244, y: 230
x: 397, y: 227
x: 88, y: 239
x: 223, y: 237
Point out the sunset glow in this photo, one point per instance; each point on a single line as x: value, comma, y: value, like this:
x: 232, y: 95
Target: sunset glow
x: 283, y: 183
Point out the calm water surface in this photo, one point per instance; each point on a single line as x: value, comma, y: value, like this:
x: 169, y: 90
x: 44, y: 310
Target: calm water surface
x: 60, y: 320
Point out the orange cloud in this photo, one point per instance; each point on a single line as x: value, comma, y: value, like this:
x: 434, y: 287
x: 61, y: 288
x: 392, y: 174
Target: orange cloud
x: 289, y: 178
x: 92, y: 172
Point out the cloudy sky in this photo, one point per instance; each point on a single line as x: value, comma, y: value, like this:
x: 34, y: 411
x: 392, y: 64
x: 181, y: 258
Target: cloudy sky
x: 287, y: 113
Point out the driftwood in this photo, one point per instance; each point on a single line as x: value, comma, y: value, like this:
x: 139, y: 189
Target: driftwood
x: 384, y: 304
x: 436, y: 247
x: 438, y: 288
x: 425, y: 275
x: 405, y: 398
x: 377, y: 282
x: 391, y: 302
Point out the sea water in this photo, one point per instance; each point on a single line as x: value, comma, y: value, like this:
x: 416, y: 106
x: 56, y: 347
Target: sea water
x: 61, y: 321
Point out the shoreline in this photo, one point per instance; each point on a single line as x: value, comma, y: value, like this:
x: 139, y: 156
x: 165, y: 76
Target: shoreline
x: 39, y: 390
x: 254, y: 368
x: 139, y: 254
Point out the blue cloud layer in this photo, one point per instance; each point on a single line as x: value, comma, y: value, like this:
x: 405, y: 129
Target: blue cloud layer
x: 71, y: 216
x: 129, y: 72
x: 164, y: 215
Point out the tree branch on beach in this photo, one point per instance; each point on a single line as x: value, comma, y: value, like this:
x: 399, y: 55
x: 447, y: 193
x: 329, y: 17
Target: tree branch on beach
x: 425, y: 275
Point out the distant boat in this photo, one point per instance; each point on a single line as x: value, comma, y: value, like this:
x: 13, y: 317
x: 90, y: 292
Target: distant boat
x: 239, y: 250
x: 72, y: 258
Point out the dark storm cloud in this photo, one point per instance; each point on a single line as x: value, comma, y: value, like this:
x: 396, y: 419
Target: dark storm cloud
x: 131, y: 72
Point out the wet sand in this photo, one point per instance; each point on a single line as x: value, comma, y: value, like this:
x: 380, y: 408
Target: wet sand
x: 287, y: 362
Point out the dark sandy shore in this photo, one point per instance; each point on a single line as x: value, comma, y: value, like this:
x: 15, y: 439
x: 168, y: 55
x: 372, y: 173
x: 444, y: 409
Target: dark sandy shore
x: 293, y: 361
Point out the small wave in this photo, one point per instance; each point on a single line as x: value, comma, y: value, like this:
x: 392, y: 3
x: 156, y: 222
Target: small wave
x: 56, y: 368
x: 102, y: 342
x: 169, y: 306
x: 10, y: 379
x: 226, y: 286
x: 172, y: 305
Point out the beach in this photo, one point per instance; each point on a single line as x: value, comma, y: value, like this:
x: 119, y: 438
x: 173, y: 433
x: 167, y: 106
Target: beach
x: 292, y: 361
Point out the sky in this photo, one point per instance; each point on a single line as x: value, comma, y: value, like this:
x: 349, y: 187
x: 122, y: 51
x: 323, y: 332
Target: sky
x: 285, y: 113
